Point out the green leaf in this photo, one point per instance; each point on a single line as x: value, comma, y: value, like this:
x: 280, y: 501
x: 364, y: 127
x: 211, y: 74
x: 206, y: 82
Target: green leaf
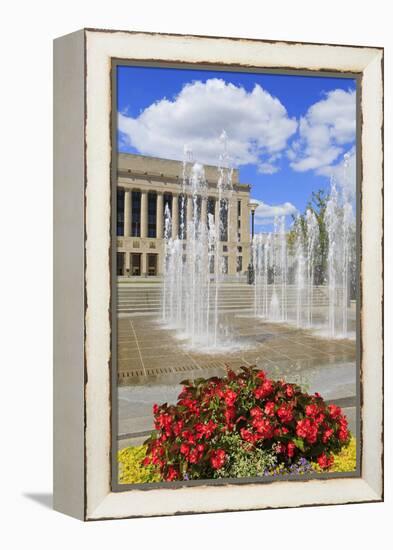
x: 299, y: 443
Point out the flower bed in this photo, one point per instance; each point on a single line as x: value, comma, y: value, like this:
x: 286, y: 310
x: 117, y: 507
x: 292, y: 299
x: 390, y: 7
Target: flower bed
x: 133, y: 471
x: 243, y: 425
x: 131, y: 468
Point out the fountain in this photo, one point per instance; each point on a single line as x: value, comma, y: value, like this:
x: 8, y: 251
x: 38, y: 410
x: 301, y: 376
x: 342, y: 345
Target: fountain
x: 194, y: 266
x: 285, y: 289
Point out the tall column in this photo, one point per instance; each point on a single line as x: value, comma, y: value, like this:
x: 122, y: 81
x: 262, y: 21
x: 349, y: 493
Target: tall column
x: 204, y: 210
x: 232, y: 220
x: 160, y: 215
x: 245, y: 232
x: 144, y: 216
x: 245, y: 222
x: 127, y: 213
x: 232, y: 235
x: 144, y: 264
x: 175, y: 215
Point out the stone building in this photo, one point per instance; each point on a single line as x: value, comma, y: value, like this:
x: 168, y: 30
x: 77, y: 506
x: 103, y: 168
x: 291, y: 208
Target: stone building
x: 145, y: 185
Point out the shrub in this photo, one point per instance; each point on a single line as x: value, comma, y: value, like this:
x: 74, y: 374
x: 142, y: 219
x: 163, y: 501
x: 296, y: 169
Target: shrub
x: 273, y: 417
x: 131, y: 468
x: 243, y: 459
x: 345, y: 461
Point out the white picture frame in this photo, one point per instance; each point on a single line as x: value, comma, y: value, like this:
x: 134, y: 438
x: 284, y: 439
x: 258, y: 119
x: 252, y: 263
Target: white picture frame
x: 82, y: 250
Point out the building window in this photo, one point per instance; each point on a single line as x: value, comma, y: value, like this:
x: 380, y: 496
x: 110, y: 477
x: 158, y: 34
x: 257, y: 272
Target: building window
x: 239, y: 264
x: 211, y: 264
x: 152, y: 265
x: 152, y: 215
x: 120, y: 213
x: 167, y: 203
x: 224, y: 220
x: 240, y: 249
x: 211, y: 204
x: 224, y: 266
x: 239, y: 208
x: 136, y: 214
x: 135, y: 265
x: 120, y: 264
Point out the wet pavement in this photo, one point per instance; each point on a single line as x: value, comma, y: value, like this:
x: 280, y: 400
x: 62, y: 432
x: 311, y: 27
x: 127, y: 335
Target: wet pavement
x: 152, y: 361
x: 149, y: 352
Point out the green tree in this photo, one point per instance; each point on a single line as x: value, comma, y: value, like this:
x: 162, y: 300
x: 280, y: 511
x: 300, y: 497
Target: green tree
x: 317, y: 204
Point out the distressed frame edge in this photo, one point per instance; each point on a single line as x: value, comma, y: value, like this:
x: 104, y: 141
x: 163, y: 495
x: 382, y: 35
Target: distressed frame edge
x: 69, y: 489
x: 374, y: 494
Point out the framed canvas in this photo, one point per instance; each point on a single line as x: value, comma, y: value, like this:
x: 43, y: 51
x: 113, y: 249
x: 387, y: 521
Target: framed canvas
x: 218, y: 341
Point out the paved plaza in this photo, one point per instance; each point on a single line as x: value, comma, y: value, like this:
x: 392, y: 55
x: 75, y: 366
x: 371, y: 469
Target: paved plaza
x: 148, y: 352
x: 152, y: 361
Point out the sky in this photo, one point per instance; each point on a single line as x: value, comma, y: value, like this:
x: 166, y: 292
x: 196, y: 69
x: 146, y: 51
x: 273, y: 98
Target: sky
x: 286, y: 134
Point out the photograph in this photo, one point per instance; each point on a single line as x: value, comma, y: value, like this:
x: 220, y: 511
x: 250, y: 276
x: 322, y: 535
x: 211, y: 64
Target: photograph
x: 236, y: 242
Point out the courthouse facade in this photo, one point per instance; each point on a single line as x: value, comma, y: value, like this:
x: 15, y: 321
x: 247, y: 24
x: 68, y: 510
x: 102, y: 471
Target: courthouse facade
x: 145, y: 186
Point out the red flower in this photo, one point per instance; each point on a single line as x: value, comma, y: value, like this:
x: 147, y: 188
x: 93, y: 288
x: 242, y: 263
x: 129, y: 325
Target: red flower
x: 206, y: 430
x: 335, y: 412
x: 325, y: 461
x: 261, y: 375
x: 246, y: 435
x: 163, y: 421
x: 312, y: 410
x: 269, y: 408
x: 307, y: 430
x: 231, y: 374
x: 194, y: 456
x: 263, y: 427
x: 264, y: 390
x: 188, y: 436
x: 291, y: 447
x: 327, y: 435
x: 217, y: 459
x: 230, y: 414
x: 184, y: 449
x: 230, y: 397
x: 320, y: 418
x: 155, y: 409
x: 289, y: 390
x: 177, y: 427
x: 172, y: 474
x: 343, y: 434
x: 285, y: 413
x: 256, y: 412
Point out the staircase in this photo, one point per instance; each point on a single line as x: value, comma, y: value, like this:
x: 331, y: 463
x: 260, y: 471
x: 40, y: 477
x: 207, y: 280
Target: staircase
x: 145, y: 298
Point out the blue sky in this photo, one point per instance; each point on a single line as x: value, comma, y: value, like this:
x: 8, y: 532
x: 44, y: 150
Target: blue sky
x: 286, y: 134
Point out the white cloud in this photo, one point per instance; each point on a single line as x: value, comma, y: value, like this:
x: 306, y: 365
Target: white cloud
x: 257, y: 125
x: 265, y: 213
x: 328, y: 126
